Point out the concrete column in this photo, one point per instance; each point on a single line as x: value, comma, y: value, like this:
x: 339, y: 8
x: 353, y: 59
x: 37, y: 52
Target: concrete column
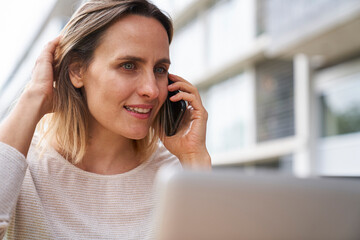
x: 304, y: 161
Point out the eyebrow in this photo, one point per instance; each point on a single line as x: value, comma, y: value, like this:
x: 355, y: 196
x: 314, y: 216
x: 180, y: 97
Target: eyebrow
x: 142, y: 60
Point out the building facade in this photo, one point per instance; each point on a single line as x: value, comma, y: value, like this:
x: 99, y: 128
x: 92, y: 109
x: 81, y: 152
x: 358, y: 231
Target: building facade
x: 280, y: 79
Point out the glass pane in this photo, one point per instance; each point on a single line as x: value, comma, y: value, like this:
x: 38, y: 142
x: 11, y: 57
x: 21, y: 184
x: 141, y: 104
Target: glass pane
x: 285, y: 16
x: 230, y: 109
x: 231, y: 30
x: 187, y: 51
x: 340, y: 105
x: 275, y: 100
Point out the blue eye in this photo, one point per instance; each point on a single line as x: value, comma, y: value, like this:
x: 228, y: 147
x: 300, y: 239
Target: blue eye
x: 128, y: 66
x: 160, y: 70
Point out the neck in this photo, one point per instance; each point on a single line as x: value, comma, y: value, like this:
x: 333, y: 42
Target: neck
x: 109, y: 154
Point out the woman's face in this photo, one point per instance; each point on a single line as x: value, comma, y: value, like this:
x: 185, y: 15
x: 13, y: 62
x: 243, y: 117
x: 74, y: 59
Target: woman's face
x: 126, y: 81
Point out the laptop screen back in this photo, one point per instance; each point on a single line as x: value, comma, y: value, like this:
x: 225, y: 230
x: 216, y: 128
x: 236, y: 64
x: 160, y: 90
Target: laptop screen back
x: 230, y: 205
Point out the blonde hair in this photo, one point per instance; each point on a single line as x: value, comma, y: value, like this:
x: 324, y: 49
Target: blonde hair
x: 68, y: 124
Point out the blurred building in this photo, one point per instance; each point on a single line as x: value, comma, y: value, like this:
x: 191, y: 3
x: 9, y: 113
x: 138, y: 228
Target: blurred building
x: 280, y: 79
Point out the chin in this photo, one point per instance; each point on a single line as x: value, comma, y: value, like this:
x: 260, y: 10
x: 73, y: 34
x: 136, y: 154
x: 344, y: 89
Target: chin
x: 138, y: 138
x: 138, y: 135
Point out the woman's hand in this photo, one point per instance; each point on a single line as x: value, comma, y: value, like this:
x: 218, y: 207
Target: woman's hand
x: 189, y: 143
x: 42, y: 80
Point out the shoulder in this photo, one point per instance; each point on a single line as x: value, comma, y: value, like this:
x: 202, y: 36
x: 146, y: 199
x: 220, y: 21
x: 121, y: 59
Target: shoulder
x: 40, y: 152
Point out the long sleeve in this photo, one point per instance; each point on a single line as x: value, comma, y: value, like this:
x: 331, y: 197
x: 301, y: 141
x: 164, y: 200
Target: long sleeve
x: 12, y: 172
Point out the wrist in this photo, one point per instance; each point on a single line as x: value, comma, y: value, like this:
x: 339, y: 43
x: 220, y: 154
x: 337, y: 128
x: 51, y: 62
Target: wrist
x: 34, y: 104
x: 196, y: 161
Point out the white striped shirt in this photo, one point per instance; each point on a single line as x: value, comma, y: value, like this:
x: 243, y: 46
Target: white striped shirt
x: 49, y: 198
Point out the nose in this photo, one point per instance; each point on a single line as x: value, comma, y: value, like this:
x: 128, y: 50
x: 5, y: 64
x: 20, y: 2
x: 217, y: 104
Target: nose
x: 148, y: 86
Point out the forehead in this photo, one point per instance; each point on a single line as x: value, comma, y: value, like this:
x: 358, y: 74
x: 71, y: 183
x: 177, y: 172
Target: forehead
x: 135, y: 33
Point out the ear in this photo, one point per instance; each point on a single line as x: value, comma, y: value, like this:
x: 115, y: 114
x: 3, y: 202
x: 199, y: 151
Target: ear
x: 76, y: 74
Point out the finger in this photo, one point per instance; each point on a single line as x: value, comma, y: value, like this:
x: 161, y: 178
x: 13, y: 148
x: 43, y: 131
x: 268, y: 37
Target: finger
x: 43, y: 68
x: 188, y: 93
x: 183, y: 86
x: 192, y: 99
x: 51, y: 46
x: 48, y: 51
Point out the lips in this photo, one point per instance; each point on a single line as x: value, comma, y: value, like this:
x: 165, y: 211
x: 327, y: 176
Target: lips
x: 139, y: 111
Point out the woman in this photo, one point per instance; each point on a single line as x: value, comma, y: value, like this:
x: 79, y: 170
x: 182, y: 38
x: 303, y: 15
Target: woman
x: 88, y: 171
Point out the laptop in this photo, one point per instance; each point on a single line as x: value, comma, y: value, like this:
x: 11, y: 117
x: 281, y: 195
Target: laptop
x: 226, y: 205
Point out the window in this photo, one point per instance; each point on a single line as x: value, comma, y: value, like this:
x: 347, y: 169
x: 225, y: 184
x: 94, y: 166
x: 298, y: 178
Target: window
x: 338, y: 93
x: 231, y: 30
x: 275, y: 100
x: 230, y: 108
x: 284, y: 16
x: 188, y: 52
x: 340, y: 106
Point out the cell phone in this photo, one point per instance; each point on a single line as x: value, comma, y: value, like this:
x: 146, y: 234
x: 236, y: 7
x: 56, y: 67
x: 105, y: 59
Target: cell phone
x: 173, y: 113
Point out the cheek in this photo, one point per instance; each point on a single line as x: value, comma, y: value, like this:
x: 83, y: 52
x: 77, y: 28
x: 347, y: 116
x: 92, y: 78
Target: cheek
x: 163, y: 93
